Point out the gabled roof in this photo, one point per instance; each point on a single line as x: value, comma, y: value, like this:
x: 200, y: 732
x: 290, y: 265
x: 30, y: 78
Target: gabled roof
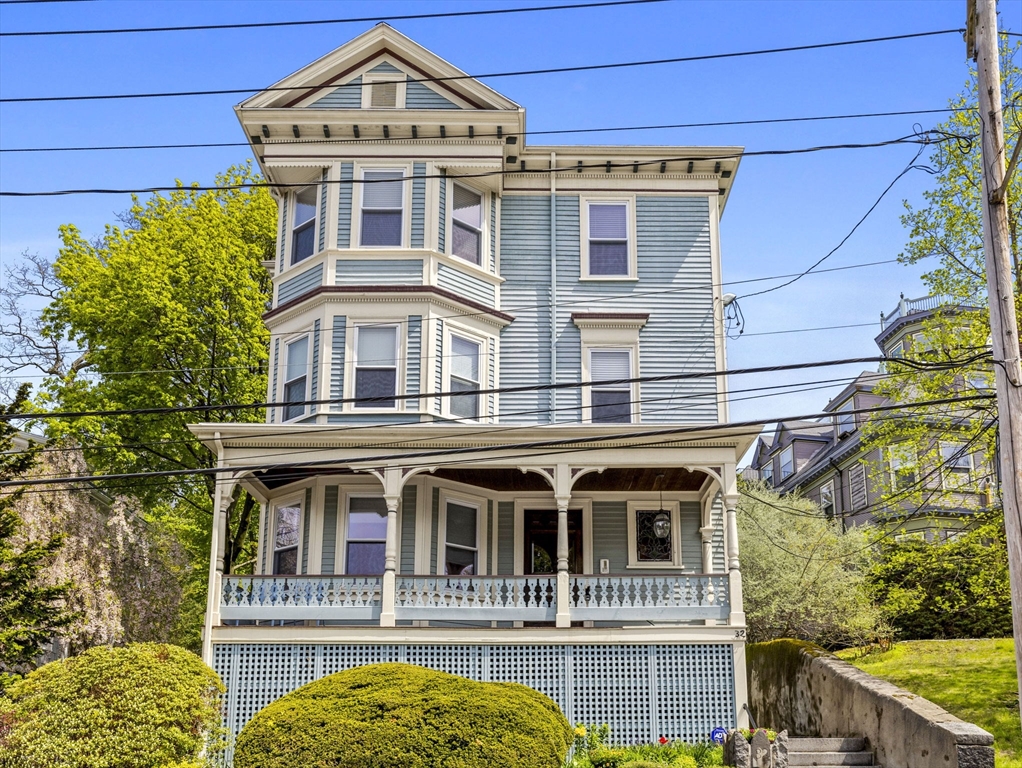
x: 382, y: 49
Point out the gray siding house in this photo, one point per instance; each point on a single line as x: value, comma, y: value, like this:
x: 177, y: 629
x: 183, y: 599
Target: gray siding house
x: 499, y: 444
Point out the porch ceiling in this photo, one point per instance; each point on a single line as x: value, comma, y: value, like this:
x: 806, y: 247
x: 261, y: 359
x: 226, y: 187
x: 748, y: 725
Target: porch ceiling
x: 613, y: 479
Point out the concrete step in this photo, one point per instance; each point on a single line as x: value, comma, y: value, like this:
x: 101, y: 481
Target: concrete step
x: 851, y: 744
x: 829, y: 758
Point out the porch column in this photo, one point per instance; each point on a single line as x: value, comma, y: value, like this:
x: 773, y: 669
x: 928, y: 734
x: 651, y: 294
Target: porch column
x: 737, y: 615
x: 707, y: 538
x: 392, y: 496
x: 222, y: 487
x: 562, y: 495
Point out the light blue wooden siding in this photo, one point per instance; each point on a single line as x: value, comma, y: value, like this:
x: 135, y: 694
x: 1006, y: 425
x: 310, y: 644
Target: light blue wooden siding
x: 421, y: 96
x: 413, y: 361
x: 505, y: 538
x: 492, y: 378
x: 525, y: 264
x: 434, y: 529
x: 378, y: 272
x: 673, y: 245
x: 418, y: 204
x: 465, y: 285
x: 306, y: 526
x: 493, y: 231
x: 314, y: 375
x: 408, y: 529
x: 438, y: 365
x: 373, y: 418
x: 346, y: 96
x: 300, y: 284
x: 337, y: 359
x: 273, y: 381
x: 385, y: 67
x: 322, y: 212
x: 717, y: 520
x: 610, y: 535
x: 691, y: 541
x: 329, y: 530
x: 441, y: 236
x: 344, y: 190
x: 283, y: 229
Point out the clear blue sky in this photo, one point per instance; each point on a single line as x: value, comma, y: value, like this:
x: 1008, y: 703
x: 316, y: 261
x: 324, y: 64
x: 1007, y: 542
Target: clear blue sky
x: 783, y: 214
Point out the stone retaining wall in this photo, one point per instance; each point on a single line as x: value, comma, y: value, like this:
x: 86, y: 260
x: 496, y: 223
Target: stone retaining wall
x: 801, y: 687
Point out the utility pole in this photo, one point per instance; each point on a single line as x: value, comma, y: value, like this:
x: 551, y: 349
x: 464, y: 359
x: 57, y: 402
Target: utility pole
x: 982, y: 45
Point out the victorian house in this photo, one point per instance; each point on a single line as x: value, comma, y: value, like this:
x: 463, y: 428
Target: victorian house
x: 498, y: 445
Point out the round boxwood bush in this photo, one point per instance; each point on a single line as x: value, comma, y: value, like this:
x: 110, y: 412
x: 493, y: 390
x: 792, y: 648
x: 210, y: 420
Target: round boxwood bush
x: 141, y: 706
x: 402, y: 716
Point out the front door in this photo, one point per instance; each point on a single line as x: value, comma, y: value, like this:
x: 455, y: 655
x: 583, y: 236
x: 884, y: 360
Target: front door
x: 541, y: 541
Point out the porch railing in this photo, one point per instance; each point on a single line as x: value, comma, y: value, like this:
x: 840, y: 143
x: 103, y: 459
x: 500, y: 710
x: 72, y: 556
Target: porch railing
x: 301, y: 597
x: 470, y: 598
x: 649, y: 598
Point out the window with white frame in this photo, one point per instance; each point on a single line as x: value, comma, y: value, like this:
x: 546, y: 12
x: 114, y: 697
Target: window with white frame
x: 366, y: 536
x: 903, y: 467
x: 376, y: 357
x: 611, y: 403
x: 296, y: 378
x: 787, y: 462
x: 303, y: 224
x: 654, y: 534
x: 607, y: 252
x: 461, y: 548
x: 286, y: 523
x: 958, y: 464
x: 844, y: 420
x: 467, y: 219
x: 464, y: 377
x: 767, y: 472
x: 382, y: 206
x: 827, y: 505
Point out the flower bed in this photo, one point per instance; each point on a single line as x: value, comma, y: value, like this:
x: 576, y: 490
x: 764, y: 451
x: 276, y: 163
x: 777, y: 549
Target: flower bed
x: 593, y: 749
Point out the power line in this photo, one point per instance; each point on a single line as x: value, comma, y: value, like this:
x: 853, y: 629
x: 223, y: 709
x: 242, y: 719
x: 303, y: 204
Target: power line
x: 807, y: 330
x: 330, y: 142
x: 319, y: 22
x: 924, y: 139
x: 528, y: 446
x: 518, y: 73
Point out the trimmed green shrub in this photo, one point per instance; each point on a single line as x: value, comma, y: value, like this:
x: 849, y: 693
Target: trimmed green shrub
x: 403, y: 716
x: 607, y: 758
x: 141, y: 706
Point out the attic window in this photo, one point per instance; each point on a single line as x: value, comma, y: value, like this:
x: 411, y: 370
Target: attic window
x: 383, y: 91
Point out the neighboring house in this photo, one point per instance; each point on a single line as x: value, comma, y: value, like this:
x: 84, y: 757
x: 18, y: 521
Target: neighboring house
x: 827, y: 461
x: 511, y: 530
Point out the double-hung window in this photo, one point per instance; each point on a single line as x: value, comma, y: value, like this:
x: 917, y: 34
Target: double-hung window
x: 464, y: 378
x: 375, y: 366
x: 827, y: 499
x: 303, y: 225
x: 903, y: 468
x: 468, y: 224
x: 382, y: 203
x: 608, y: 246
x: 611, y: 401
x: 767, y: 473
x: 366, y: 538
x: 787, y: 462
x: 845, y: 421
x: 285, y: 539
x: 957, y: 462
x: 461, y: 550
x: 296, y: 378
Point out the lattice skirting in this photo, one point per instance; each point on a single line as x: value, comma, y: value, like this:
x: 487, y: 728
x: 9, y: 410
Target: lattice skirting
x: 642, y: 691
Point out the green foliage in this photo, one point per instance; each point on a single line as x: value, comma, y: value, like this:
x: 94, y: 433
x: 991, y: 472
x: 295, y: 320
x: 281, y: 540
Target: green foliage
x: 139, y: 706
x: 31, y: 613
x: 803, y: 576
x: 402, y: 716
x: 591, y: 750
x: 955, y: 589
x: 748, y: 733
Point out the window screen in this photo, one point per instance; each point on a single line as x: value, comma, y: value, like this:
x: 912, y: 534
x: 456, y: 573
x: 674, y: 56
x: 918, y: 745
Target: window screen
x: 611, y: 403
x: 464, y: 377
x: 382, y: 196
x: 303, y: 229
x: 376, y: 366
x: 295, y: 378
x: 608, y: 239
x: 468, y: 222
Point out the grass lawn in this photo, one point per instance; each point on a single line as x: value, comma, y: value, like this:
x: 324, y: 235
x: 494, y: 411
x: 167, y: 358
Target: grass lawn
x: 972, y: 679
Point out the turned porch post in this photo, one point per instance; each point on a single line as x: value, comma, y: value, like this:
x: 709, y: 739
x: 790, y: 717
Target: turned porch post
x: 392, y: 496
x: 562, y: 495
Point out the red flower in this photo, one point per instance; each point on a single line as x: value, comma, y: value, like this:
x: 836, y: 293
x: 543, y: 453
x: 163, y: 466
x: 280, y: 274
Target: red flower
x: 663, y: 739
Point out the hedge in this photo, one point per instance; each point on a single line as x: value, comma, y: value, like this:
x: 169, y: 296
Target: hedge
x: 402, y: 716
x: 141, y: 706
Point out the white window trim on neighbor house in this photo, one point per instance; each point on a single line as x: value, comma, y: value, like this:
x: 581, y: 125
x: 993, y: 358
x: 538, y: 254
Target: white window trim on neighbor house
x: 786, y: 456
x: 352, y: 364
x: 358, y: 198
x: 369, y: 79
x: 292, y: 208
x: 479, y: 503
x: 898, y: 463
x: 674, y: 509
x: 629, y: 202
x: 283, y: 374
x: 840, y: 417
x: 827, y: 491
x: 482, y: 411
x: 291, y: 500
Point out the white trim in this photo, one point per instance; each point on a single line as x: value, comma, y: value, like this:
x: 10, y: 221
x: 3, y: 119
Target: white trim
x: 829, y: 485
x: 674, y: 508
x: 351, y: 363
x: 482, y: 527
x: 946, y: 474
x: 358, y: 172
x: 790, y: 451
x: 371, y: 78
x: 608, y: 198
x: 291, y: 201
x: 633, y: 352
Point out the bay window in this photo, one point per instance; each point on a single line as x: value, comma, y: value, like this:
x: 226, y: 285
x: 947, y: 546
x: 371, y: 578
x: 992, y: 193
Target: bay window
x: 461, y: 548
x: 382, y: 204
x: 303, y: 224
x: 464, y: 377
x: 296, y: 378
x: 366, y: 536
x: 376, y: 366
x: 285, y: 539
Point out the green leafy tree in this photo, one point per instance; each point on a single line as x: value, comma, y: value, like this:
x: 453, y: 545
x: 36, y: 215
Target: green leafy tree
x: 945, y: 234
x: 31, y: 612
x: 803, y: 576
x: 163, y: 310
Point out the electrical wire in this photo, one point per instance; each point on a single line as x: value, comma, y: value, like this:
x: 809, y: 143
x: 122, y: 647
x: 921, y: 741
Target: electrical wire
x: 320, y: 22
x: 517, y: 73
x: 329, y: 142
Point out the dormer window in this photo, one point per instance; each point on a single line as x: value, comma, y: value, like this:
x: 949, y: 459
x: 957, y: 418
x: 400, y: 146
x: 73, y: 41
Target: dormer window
x: 383, y: 91
x: 303, y: 226
x: 787, y: 462
x: 468, y: 224
x: 844, y: 419
x: 382, y: 202
x: 767, y: 473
